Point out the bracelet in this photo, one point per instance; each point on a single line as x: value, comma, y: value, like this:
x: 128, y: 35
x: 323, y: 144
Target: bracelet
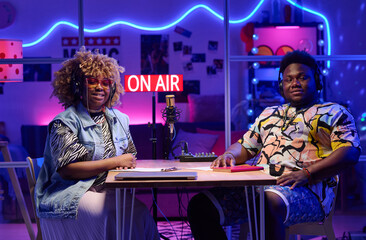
x: 307, y: 172
x: 229, y: 153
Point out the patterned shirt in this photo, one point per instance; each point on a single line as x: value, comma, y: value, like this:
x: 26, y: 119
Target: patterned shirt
x: 67, y: 149
x: 286, y: 136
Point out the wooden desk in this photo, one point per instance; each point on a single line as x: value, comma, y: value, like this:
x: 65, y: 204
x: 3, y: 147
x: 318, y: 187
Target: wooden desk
x: 204, y: 179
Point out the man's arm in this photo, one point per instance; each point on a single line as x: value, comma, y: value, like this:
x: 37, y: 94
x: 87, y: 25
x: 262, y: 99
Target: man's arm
x: 235, y: 154
x: 333, y: 164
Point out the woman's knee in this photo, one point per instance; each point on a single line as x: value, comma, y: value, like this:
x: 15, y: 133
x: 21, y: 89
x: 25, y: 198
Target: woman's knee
x: 141, y: 211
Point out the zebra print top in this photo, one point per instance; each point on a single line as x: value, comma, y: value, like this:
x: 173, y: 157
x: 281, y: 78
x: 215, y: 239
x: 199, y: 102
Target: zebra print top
x: 66, y: 148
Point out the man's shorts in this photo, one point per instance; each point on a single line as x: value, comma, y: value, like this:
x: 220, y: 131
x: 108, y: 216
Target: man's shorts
x: 302, y: 204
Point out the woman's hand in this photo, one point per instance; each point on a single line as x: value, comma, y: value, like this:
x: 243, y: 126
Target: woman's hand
x: 125, y: 161
x: 226, y: 159
x: 295, y: 179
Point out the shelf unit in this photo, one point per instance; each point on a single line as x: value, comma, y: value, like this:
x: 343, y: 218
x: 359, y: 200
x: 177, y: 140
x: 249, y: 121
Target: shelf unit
x: 277, y: 39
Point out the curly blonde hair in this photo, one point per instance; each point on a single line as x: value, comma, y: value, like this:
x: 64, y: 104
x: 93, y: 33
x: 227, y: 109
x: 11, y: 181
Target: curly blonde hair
x: 85, y: 63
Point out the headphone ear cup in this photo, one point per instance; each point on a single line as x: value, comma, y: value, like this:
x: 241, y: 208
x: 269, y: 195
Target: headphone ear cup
x: 280, y: 88
x: 76, y: 87
x: 280, y: 84
x: 76, y: 83
x: 318, y: 82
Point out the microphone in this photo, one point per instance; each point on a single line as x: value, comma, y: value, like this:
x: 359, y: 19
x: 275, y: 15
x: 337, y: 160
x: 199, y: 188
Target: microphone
x: 171, y: 114
x: 171, y: 117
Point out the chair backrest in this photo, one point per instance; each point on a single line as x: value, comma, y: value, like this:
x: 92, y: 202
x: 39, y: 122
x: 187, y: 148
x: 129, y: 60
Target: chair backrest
x: 31, y: 178
x: 330, y: 216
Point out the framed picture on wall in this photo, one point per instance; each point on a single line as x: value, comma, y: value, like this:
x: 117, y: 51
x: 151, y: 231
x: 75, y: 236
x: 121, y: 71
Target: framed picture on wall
x: 154, y: 54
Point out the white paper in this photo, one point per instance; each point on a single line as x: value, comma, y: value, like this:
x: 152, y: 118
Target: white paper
x: 139, y: 169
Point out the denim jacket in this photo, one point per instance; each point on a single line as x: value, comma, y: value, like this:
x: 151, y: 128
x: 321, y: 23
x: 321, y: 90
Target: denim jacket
x: 56, y: 197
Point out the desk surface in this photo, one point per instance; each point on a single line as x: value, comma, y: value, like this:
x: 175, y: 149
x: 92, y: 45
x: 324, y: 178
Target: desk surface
x: 204, y: 178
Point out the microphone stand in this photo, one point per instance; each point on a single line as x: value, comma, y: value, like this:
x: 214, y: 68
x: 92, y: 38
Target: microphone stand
x: 153, y: 140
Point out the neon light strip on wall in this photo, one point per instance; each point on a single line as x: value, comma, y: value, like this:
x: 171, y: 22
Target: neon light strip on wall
x: 143, y: 27
x: 196, y: 7
x: 326, y: 25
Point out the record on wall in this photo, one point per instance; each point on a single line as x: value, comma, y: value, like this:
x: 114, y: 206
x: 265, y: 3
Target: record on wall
x: 282, y: 50
x: 264, y: 50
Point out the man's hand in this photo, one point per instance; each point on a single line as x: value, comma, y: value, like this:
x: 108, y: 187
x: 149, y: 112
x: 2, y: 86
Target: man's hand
x: 295, y: 179
x: 226, y: 159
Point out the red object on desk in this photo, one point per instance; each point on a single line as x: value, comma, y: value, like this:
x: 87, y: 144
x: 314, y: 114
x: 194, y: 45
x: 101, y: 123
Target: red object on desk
x: 242, y: 168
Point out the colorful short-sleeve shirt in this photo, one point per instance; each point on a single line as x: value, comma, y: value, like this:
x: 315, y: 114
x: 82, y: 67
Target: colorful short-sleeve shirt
x: 284, y: 135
